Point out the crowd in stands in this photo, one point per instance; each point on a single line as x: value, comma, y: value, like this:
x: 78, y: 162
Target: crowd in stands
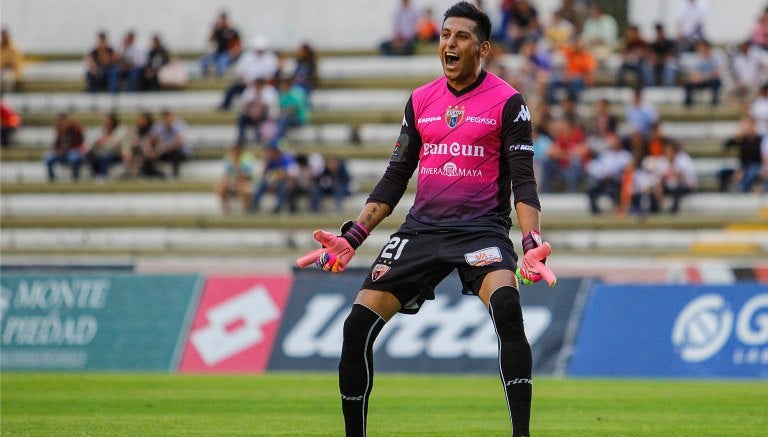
x: 578, y: 148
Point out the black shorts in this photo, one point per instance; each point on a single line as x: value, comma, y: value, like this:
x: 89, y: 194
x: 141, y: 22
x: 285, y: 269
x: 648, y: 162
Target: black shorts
x: 412, y: 264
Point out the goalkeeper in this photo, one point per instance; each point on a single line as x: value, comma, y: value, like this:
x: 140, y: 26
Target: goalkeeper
x: 469, y: 135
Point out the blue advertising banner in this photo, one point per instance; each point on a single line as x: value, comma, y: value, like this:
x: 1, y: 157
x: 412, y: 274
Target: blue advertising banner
x: 674, y: 331
x: 94, y: 321
x: 453, y: 333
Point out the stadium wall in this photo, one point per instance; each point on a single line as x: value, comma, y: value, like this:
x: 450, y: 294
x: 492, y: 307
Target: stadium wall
x: 103, y: 321
x: 55, y: 26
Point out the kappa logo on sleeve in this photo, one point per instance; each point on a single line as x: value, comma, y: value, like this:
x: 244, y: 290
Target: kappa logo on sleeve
x: 483, y: 257
x: 523, y: 115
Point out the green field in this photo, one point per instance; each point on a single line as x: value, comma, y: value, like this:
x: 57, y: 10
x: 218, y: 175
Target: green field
x: 134, y: 405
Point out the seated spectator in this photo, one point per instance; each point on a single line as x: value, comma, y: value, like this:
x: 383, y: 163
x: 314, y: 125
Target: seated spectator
x: 533, y: 74
x: 600, y: 33
x: 259, y: 61
x: 305, y: 74
x: 563, y: 165
x: 167, y: 140
x: 759, y: 34
x: 577, y: 73
x: 758, y: 110
x: 521, y: 24
x: 749, y: 70
x: 639, y: 114
x: 130, y: 62
x: 559, y: 31
x: 237, y: 179
x: 294, y: 109
x: 427, y: 28
x: 635, y: 53
x: 403, y: 38
x: 274, y: 179
x: 748, y: 144
x: 11, y: 62
x: 691, y: 24
x: 101, y: 66
x: 334, y: 182
x: 603, y: 121
x: 605, y: 173
x: 706, y: 73
x: 302, y: 180
x: 664, y: 58
x: 679, y: 176
x: 157, y: 58
x: 109, y: 148
x: 10, y: 121
x: 260, y: 108
x: 573, y: 12
x: 542, y: 141
x: 225, y: 41
x: 142, y: 157
x: 68, y: 147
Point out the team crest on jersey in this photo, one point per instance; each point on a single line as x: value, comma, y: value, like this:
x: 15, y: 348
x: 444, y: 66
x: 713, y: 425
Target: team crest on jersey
x: 454, y: 115
x: 378, y: 271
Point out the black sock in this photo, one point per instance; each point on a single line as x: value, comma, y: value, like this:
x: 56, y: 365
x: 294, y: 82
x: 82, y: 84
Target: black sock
x: 515, y: 361
x: 356, y: 367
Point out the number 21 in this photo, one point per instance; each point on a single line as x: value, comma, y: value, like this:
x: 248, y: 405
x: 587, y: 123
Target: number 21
x: 394, y: 243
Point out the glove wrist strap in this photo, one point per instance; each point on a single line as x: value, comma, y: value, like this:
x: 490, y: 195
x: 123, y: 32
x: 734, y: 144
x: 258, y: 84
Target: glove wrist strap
x: 354, y: 232
x: 532, y: 240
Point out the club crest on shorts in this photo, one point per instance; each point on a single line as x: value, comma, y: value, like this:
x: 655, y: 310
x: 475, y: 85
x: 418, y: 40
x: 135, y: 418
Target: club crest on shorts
x: 454, y: 115
x: 483, y: 257
x: 378, y: 271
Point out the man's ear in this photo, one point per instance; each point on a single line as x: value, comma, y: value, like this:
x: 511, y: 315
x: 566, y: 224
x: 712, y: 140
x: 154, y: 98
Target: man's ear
x: 485, y: 48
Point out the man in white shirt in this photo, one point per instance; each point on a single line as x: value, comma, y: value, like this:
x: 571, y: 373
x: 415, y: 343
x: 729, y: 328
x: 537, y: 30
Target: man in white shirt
x: 257, y: 62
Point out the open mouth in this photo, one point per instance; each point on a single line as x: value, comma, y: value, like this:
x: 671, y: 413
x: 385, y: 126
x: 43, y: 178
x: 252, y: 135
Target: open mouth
x: 451, y: 59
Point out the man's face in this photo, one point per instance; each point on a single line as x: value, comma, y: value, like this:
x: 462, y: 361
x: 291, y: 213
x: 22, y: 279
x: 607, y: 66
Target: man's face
x: 461, y: 52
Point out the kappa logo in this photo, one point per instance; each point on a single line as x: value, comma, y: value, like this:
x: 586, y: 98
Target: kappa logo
x: 378, y: 271
x: 483, y: 257
x: 523, y: 115
x: 453, y: 116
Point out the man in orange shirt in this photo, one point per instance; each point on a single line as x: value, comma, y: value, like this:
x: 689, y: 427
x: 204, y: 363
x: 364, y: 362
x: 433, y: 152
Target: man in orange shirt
x: 577, y: 72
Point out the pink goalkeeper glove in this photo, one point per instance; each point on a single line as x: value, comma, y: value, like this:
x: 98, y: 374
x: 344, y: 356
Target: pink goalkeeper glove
x: 337, y: 251
x: 533, y: 267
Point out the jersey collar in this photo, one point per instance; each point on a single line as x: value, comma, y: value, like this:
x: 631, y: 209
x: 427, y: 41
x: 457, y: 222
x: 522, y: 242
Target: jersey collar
x: 477, y: 83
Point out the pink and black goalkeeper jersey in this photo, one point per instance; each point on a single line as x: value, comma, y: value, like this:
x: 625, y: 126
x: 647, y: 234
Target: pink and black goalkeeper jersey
x: 472, y: 149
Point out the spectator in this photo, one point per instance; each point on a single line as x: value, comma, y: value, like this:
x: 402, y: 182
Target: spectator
x: 533, y: 75
x: 748, y: 70
x: 101, y: 67
x: 639, y: 114
x: 577, y: 73
x: 520, y: 25
x: 259, y: 61
x: 691, y: 24
x: 759, y: 34
x: 564, y: 162
x: 130, y: 62
x: 68, y: 147
x: 274, y: 179
x: 237, y: 179
x: 260, y: 108
x: 294, y: 109
x: 302, y: 180
x: 542, y: 141
x: 168, y: 141
x: 142, y: 157
x: 109, y: 148
x: 574, y: 13
x: 679, y: 176
x: 600, y: 33
x: 427, y: 28
x: 10, y: 121
x: 11, y: 62
x: 705, y: 73
x: 605, y: 172
x: 635, y: 52
x: 559, y: 32
x: 664, y: 58
x: 603, y: 121
x: 157, y: 58
x: 403, y: 38
x: 748, y: 143
x: 305, y: 74
x: 759, y: 110
x: 225, y: 41
x: 334, y: 182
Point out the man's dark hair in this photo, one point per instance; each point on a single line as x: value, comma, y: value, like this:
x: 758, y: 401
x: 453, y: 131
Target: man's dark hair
x: 468, y: 10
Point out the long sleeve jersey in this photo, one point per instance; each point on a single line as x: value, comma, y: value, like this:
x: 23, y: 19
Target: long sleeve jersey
x: 473, y: 150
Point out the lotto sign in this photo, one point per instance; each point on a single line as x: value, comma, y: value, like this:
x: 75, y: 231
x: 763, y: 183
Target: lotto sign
x: 708, y: 331
x: 236, y: 324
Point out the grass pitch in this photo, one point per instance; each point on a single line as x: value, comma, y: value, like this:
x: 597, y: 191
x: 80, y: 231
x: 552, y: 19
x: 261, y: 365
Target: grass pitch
x: 294, y: 404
